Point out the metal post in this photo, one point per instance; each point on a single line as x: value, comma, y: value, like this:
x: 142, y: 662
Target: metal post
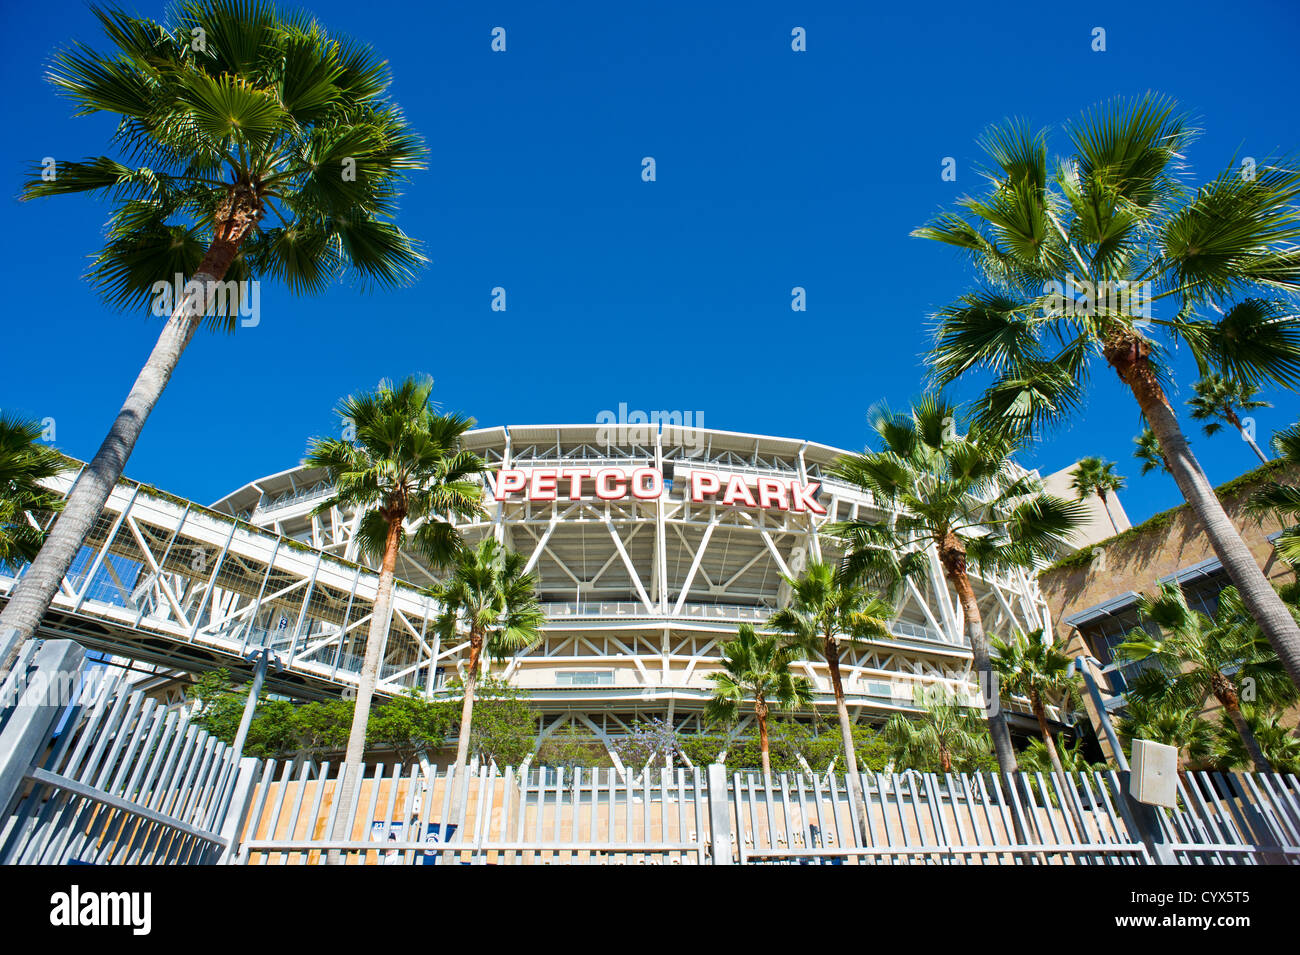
x: 35, y: 714
x: 1080, y: 663
x: 719, y: 814
x: 235, y: 812
x: 262, y: 657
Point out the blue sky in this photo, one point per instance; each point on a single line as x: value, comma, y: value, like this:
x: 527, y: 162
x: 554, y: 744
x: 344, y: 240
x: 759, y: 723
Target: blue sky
x: 775, y: 169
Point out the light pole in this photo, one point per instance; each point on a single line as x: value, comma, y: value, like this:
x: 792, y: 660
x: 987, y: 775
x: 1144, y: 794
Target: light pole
x: 1080, y: 664
x: 261, y: 658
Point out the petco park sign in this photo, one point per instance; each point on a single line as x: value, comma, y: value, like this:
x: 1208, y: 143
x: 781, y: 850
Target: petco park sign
x: 647, y: 484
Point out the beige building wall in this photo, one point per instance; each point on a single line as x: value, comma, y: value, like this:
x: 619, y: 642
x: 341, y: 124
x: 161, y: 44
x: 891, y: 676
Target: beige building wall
x: 1098, y: 526
x: 1164, y: 545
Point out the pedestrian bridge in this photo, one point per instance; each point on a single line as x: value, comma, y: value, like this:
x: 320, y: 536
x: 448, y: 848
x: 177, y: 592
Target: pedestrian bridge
x: 166, y: 581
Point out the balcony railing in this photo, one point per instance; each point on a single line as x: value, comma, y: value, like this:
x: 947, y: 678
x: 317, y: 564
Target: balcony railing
x: 730, y: 613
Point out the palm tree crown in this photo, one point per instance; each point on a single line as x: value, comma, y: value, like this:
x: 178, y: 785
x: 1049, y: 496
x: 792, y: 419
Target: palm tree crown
x: 1030, y: 666
x: 24, y: 464
x: 1095, y: 476
x: 755, y: 668
x: 1147, y: 450
x: 405, y: 464
x: 1218, y: 400
x: 1197, y: 655
x: 248, y: 133
x: 759, y: 669
x: 961, y: 493
x: 946, y: 736
x: 1282, y: 499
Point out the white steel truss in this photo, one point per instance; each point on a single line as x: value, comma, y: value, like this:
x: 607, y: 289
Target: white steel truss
x: 639, y: 595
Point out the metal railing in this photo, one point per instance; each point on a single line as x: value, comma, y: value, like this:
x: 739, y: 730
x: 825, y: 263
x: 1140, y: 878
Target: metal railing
x: 693, y: 815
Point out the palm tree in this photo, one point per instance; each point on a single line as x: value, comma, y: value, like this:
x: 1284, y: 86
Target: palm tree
x: 962, y: 496
x: 24, y: 464
x: 1095, y: 476
x: 405, y: 465
x: 1148, y: 451
x: 946, y: 735
x: 225, y: 114
x: 825, y: 615
x: 1198, y: 655
x: 1164, y: 721
x: 1279, y: 742
x: 1218, y: 400
x: 1033, y: 667
x: 1283, y: 500
x: 756, y: 668
x: 1035, y: 758
x: 1074, y: 257
x: 490, y: 597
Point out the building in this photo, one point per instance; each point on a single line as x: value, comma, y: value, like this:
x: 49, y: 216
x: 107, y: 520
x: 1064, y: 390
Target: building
x: 652, y: 545
x: 1093, y: 593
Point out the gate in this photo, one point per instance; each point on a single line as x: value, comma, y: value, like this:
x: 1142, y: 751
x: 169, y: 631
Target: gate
x: 92, y: 775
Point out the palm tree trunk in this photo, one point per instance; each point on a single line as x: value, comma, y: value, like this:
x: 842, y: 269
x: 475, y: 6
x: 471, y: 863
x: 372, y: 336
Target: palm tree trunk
x: 1253, y: 446
x: 760, y: 711
x: 997, y: 719
x: 467, y: 707
x: 945, y: 759
x: 1233, y: 708
x: 1128, y: 355
x: 1040, y: 714
x: 1105, y: 506
x: 376, y: 639
x: 32, y: 596
x: 846, y: 736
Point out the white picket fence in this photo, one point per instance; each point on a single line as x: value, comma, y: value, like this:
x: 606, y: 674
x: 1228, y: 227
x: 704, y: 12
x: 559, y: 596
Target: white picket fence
x: 113, y: 778
x: 681, y: 816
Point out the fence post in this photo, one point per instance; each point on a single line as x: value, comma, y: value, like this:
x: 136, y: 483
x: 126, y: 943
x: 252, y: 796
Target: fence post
x: 1145, y: 823
x: 237, y: 809
x: 36, y: 712
x: 719, y: 814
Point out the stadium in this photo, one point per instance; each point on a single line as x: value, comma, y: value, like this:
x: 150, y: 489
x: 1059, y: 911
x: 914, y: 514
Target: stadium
x: 651, y: 545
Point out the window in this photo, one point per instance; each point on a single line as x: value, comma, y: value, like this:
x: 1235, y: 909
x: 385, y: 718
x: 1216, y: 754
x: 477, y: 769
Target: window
x: 585, y: 678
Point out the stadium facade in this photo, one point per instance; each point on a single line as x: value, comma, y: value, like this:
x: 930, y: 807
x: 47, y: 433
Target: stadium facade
x: 652, y: 544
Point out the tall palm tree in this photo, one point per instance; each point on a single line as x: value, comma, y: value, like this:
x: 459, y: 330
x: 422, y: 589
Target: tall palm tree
x: 405, y: 465
x: 24, y: 464
x: 1198, y: 655
x: 1148, y: 451
x: 1283, y: 500
x: 1165, y: 721
x: 489, y: 597
x: 226, y: 113
x: 1033, y: 667
x: 1078, y: 258
x: 946, y: 735
x: 961, y: 496
x: 1217, y: 401
x: 1095, y: 476
x: 827, y: 614
x: 757, y: 668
